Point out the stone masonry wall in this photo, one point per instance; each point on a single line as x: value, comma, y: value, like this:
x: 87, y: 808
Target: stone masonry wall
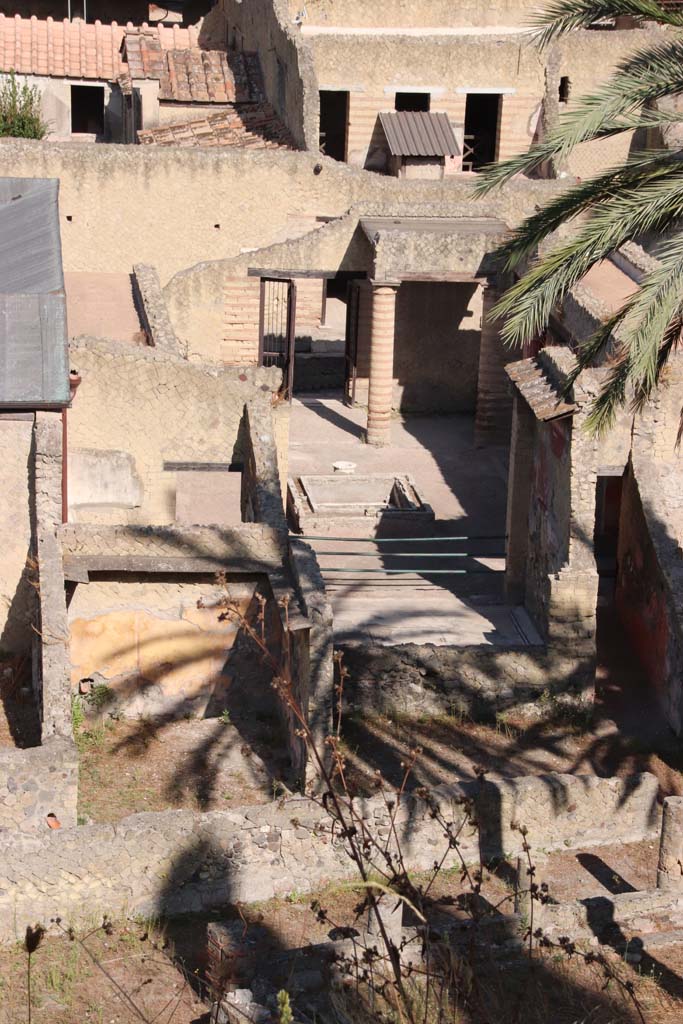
x: 179, y: 862
x: 153, y: 310
x: 476, y: 682
x: 138, y: 409
x: 38, y: 782
x: 174, y: 197
x: 289, y: 78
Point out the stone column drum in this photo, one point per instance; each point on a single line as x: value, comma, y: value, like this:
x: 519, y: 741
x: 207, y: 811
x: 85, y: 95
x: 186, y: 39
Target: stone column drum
x: 670, y: 866
x: 381, y: 381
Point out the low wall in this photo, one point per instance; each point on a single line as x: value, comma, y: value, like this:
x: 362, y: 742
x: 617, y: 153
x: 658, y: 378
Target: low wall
x: 180, y: 862
x: 17, y: 597
x: 36, y: 783
x: 473, y: 681
x: 143, y: 421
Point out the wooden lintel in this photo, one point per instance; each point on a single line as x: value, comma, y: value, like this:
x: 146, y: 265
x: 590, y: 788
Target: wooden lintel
x: 288, y: 275
x: 78, y: 568
x: 450, y: 277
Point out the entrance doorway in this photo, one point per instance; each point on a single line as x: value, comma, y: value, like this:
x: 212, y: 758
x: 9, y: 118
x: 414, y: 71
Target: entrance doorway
x: 277, y: 319
x: 334, y: 119
x: 87, y: 110
x: 482, y: 129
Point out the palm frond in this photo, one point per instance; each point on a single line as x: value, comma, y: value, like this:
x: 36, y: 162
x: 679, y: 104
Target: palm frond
x: 630, y: 212
x: 650, y: 74
x: 640, y: 168
x: 563, y: 16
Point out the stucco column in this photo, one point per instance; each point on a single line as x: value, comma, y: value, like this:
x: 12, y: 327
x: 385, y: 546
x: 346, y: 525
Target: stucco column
x: 670, y: 866
x: 494, y: 401
x: 381, y: 380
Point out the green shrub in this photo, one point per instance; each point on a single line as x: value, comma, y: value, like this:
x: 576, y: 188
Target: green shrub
x: 20, y: 109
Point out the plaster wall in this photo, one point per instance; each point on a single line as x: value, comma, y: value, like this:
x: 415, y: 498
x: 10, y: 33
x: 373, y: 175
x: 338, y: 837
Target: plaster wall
x: 16, y: 594
x: 151, y: 644
x: 436, y: 358
x: 56, y: 106
x: 137, y: 408
x: 372, y: 67
x: 405, y: 14
x: 157, y: 198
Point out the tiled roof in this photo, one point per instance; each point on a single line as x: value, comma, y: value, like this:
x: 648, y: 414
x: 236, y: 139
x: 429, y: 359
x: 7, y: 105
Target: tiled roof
x: 537, y: 384
x: 254, y: 126
x: 418, y: 133
x: 74, y: 49
x: 191, y: 74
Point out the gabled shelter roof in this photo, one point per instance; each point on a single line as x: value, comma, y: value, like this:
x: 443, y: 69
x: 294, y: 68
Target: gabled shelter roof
x: 419, y: 133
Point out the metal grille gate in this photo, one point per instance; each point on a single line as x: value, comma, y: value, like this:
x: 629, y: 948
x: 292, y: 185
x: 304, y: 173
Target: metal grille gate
x: 277, y: 328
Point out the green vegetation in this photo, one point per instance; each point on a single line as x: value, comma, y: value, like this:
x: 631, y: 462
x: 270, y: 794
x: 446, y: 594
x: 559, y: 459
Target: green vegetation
x: 20, y: 109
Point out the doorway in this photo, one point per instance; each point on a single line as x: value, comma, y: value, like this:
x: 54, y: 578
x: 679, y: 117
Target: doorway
x: 482, y: 129
x: 277, y: 319
x: 334, y: 119
x: 87, y: 110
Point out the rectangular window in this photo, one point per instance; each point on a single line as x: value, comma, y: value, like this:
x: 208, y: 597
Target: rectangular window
x: 414, y: 101
x: 87, y: 110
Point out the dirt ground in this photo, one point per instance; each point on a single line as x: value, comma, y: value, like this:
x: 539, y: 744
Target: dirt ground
x: 201, y: 765
x: 124, y: 977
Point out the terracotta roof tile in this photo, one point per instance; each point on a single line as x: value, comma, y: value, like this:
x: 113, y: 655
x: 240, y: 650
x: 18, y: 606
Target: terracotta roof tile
x: 74, y: 49
x: 192, y: 75
x: 253, y: 125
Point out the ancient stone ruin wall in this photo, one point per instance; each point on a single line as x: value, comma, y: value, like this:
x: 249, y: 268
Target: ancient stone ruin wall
x: 152, y: 308
x: 180, y: 862
x: 184, y: 206
x: 39, y: 786
x: 156, y: 645
x: 476, y: 682
x: 404, y: 14
x: 649, y: 592
x: 137, y: 410
x: 43, y: 781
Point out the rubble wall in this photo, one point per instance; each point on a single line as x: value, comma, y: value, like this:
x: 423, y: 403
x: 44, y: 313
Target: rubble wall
x: 38, y: 782
x: 180, y: 862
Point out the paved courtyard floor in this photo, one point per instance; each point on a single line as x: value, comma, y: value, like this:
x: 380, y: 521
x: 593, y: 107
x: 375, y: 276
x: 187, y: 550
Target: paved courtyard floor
x: 466, y: 487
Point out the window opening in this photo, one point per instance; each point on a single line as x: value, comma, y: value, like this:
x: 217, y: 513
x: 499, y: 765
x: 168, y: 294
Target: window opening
x: 415, y: 101
x: 87, y: 109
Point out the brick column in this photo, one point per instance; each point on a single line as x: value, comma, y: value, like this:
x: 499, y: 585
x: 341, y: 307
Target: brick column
x: 494, y: 401
x: 381, y: 381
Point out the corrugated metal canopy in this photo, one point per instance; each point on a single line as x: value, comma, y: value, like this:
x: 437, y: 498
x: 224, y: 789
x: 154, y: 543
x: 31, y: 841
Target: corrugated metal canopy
x: 34, y: 370
x: 418, y: 133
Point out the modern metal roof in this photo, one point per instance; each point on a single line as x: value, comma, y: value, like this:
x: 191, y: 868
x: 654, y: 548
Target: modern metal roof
x: 418, y: 133
x: 34, y: 369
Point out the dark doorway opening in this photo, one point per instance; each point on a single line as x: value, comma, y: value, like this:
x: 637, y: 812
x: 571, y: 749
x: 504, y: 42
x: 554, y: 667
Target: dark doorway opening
x: 414, y: 101
x: 482, y: 127
x: 277, y: 320
x: 334, y: 118
x: 87, y: 109
x: 608, y: 491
